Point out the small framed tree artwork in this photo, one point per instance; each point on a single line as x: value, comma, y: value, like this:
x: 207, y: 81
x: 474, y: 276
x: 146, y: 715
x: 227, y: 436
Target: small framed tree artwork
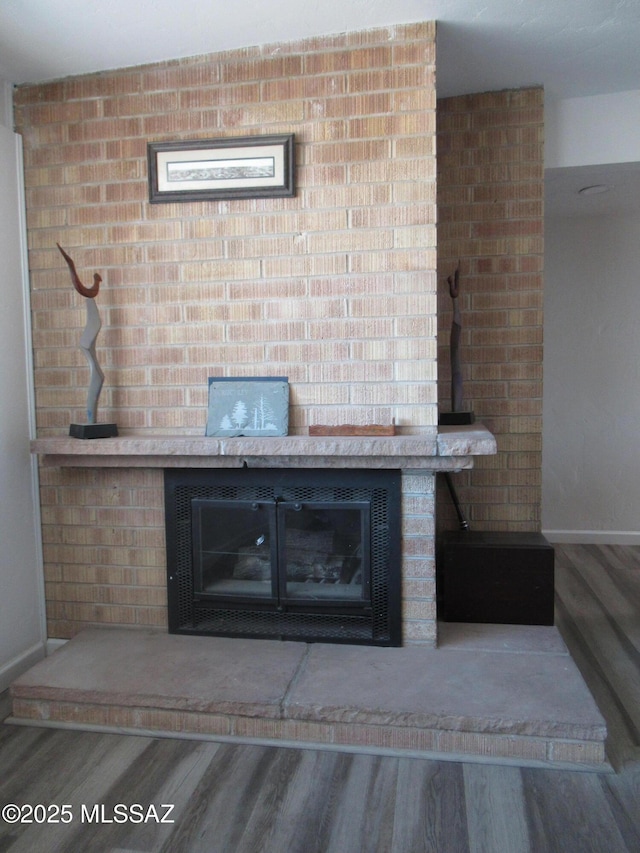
x: 251, y: 406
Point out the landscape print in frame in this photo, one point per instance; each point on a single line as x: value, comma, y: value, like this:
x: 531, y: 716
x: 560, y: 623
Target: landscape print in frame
x: 214, y: 169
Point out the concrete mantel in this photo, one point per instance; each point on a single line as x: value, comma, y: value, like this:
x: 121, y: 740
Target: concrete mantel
x: 447, y: 449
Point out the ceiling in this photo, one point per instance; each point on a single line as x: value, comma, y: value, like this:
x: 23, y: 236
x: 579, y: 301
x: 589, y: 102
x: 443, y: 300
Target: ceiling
x: 573, y: 48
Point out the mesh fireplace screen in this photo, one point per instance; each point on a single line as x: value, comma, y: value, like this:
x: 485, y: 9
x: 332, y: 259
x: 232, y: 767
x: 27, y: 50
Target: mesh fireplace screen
x: 309, y: 555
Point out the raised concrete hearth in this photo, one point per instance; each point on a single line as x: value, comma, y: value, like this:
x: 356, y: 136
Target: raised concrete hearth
x: 498, y: 693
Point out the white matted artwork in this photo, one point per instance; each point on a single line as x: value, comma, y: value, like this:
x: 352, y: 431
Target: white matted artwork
x: 251, y: 406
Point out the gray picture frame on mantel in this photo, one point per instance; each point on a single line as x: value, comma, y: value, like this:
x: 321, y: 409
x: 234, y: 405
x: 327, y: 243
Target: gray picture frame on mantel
x: 242, y: 167
x: 248, y: 406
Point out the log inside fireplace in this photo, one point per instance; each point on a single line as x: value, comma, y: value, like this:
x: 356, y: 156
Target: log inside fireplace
x: 310, y: 555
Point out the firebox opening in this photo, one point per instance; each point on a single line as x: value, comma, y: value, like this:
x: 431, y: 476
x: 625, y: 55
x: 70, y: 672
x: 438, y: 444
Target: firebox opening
x: 310, y: 555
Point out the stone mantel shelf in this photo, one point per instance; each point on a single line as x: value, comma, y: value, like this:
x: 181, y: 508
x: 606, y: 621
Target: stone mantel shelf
x: 447, y: 449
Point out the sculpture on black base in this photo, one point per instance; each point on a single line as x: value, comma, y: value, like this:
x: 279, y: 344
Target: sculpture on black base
x: 456, y: 416
x: 88, y: 346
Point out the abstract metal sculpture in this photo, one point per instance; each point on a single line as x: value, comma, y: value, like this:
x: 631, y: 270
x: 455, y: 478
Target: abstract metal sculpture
x: 454, y: 345
x: 88, y: 346
x: 456, y: 416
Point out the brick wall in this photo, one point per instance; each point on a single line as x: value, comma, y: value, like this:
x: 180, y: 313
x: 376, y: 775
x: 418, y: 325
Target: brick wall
x: 335, y: 288
x: 490, y: 218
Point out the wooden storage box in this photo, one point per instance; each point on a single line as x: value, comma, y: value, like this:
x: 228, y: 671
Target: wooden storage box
x: 505, y: 578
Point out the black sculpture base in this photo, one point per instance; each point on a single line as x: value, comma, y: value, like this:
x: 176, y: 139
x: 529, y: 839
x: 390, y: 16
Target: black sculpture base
x: 456, y: 418
x: 93, y: 430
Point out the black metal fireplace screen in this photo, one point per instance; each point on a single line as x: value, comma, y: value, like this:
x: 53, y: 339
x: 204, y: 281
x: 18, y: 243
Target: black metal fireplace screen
x: 309, y: 555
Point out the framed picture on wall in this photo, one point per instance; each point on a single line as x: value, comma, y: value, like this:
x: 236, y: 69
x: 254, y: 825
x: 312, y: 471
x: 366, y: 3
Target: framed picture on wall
x: 214, y: 169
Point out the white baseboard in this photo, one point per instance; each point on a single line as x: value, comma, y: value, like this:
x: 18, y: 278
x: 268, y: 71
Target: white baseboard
x: 593, y: 537
x: 21, y: 663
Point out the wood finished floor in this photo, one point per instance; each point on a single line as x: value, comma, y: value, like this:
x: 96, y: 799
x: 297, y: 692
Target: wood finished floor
x: 233, y: 798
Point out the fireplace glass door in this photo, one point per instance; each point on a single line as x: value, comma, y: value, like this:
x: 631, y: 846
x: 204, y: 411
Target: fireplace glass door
x: 311, y: 555
x: 234, y: 546
x: 288, y: 554
x: 323, y: 553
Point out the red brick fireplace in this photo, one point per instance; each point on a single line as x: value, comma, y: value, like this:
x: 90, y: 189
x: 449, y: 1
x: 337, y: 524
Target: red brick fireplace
x: 418, y: 458
x: 334, y: 288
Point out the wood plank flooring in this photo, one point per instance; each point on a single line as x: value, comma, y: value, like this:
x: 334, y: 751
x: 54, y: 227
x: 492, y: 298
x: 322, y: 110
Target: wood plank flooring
x: 598, y: 615
x: 231, y: 798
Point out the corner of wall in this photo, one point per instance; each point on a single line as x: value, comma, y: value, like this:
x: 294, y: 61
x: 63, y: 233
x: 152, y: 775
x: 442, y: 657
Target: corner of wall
x: 6, y: 104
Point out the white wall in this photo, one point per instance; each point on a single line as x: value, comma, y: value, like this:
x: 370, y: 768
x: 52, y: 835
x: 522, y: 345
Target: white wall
x: 591, y: 463
x: 592, y: 130
x: 22, y: 632
x: 591, y: 460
